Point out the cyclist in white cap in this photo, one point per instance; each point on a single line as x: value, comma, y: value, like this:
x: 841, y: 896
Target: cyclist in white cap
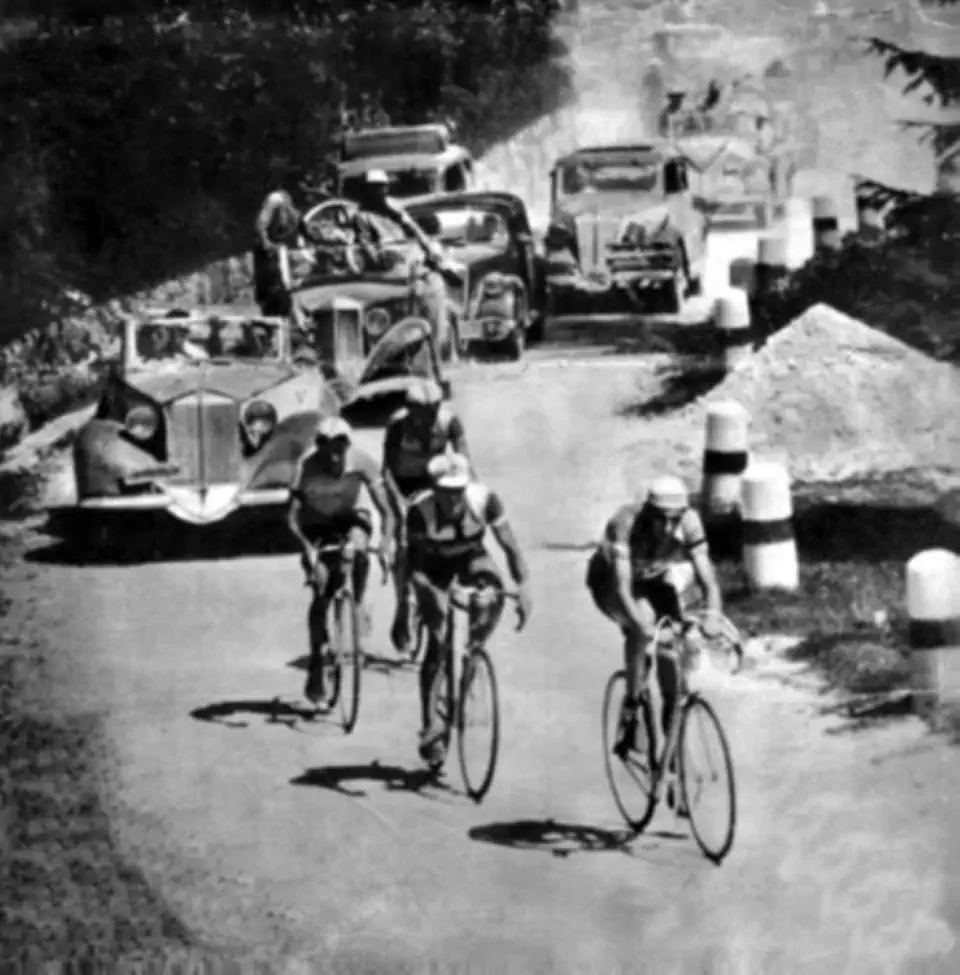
x: 446, y: 530
x: 651, y: 555
x: 415, y: 434
x: 327, y: 508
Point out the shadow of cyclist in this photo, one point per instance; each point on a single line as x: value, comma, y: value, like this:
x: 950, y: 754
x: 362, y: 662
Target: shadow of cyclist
x: 275, y: 711
x: 393, y: 778
x: 549, y: 836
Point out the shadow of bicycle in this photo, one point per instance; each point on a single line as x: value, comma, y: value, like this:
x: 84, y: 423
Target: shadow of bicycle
x: 275, y: 711
x: 371, y: 661
x: 558, y: 839
x: 419, y: 781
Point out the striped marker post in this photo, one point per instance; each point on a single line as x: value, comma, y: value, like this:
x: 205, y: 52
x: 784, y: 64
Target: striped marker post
x: 769, y: 547
x: 798, y: 228
x: 731, y: 318
x: 772, y: 268
x: 933, y: 606
x: 826, y: 224
x: 724, y: 458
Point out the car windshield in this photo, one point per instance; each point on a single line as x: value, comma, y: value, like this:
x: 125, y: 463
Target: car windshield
x: 403, y: 183
x: 180, y: 342
x: 465, y: 227
x: 639, y: 177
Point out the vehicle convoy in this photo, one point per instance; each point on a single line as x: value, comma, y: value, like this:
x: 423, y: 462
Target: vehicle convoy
x: 487, y: 235
x: 205, y: 415
x: 626, y: 238
x: 742, y: 165
x: 384, y: 288
x: 419, y: 159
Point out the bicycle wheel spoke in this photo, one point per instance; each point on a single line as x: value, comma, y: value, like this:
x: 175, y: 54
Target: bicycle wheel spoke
x: 478, y: 724
x: 631, y: 778
x: 708, y: 785
x: 350, y: 665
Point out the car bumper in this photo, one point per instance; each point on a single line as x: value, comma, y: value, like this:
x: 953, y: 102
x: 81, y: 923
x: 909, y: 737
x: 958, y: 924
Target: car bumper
x: 188, y: 506
x: 491, y: 330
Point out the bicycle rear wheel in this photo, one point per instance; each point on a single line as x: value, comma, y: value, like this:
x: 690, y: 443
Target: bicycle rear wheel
x: 706, y: 773
x: 478, y: 723
x: 633, y: 780
x: 346, y: 647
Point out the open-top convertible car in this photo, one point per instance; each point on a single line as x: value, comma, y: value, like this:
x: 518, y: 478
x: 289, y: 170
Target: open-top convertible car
x: 419, y: 159
x: 626, y: 237
x: 741, y: 165
x: 487, y: 235
x: 205, y: 416
x: 392, y: 284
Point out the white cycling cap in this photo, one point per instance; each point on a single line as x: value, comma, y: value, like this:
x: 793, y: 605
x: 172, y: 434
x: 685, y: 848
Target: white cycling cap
x: 449, y: 472
x: 378, y: 177
x: 669, y: 495
x: 334, y: 428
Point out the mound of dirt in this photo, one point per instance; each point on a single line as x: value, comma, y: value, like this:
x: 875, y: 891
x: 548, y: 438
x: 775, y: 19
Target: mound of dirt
x: 833, y: 397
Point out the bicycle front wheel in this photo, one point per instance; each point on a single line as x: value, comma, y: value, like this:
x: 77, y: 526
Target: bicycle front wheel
x: 706, y: 779
x: 349, y: 658
x: 632, y: 779
x: 478, y: 724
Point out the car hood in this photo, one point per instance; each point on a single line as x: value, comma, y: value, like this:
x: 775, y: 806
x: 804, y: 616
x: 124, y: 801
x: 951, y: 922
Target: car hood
x: 236, y: 380
x: 607, y: 205
x: 319, y: 297
x: 470, y: 254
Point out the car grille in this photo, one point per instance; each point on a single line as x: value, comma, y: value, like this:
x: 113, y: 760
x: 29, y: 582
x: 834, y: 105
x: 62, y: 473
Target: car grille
x: 203, y: 439
x: 607, y: 234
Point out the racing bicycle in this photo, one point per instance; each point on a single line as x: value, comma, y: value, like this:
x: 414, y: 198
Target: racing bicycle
x: 683, y: 776
x: 461, y: 702
x: 343, y: 663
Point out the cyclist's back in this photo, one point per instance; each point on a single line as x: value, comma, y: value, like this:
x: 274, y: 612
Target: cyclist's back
x: 408, y: 449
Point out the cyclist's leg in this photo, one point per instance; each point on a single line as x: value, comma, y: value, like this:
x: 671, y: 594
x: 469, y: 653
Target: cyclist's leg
x: 400, y: 628
x: 665, y: 600
x: 482, y: 571
x: 323, y: 587
x: 432, y: 593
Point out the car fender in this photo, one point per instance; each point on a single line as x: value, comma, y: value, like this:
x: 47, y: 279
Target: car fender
x: 277, y: 461
x: 405, y: 336
x: 103, y: 457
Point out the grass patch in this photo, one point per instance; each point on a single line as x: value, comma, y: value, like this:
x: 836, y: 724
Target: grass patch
x: 67, y: 892
x: 853, y: 539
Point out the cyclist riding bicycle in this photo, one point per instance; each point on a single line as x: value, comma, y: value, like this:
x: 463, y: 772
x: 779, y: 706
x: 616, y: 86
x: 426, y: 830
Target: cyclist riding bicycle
x: 446, y: 529
x: 652, y: 554
x: 415, y: 434
x: 327, y: 508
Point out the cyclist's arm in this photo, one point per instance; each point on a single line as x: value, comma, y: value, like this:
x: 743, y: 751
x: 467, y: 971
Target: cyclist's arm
x: 496, y: 518
x: 296, y: 509
x: 707, y: 577
x: 616, y: 541
x: 457, y: 437
x: 393, y: 493
x: 381, y: 501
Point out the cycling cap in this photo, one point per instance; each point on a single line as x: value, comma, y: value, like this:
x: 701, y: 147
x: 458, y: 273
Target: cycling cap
x: 450, y: 472
x: 669, y: 495
x: 425, y: 393
x: 334, y: 428
x: 378, y: 177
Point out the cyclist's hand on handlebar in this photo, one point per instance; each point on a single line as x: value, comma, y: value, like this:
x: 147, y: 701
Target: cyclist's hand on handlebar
x: 523, y: 607
x: 348, y: 552
x: 712, y: 624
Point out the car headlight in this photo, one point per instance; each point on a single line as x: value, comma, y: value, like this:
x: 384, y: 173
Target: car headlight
x: 377, y: 321
x: 141, y: 422
x: 258, y: 420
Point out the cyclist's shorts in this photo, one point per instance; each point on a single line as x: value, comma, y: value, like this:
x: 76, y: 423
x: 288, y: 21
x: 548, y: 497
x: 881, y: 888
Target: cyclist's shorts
x: 662, y: 596
x: 476, y: 567
x: 327, y: 533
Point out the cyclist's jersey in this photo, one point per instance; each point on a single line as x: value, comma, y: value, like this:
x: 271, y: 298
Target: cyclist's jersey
x: 629, y: 533
x: 279, y: 220
x: 406, y: 455
x: 433, y: 541
x: 330, y: 504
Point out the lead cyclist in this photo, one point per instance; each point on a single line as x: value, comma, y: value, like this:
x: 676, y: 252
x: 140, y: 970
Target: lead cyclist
x: 652, y: 554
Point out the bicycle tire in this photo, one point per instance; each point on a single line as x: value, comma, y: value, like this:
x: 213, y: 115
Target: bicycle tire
x: 717, y: 852
x: 349, y: 659
x: 613, y: 697
x: 331, y: 671
x: 418, y: 630
x: 478, y: 666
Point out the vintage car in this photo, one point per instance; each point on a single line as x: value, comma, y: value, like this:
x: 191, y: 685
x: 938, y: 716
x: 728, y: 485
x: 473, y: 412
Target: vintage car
x: 741, y: 166
x: 487, y: 235
x: 205, y: 415
x: 394, y: 285
x: 419, y: 159
x: 626, y: 236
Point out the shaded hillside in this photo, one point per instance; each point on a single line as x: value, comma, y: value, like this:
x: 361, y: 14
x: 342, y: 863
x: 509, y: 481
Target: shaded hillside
x: 135, y: 148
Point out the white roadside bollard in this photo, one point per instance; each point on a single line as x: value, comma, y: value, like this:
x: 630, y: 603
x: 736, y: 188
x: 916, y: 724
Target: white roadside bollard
x: 798, y: 224
x: 725, y: 456
x: 731, y: 318
x: 769, y: 546
x: 933, y: 606
x: 825, y: 224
